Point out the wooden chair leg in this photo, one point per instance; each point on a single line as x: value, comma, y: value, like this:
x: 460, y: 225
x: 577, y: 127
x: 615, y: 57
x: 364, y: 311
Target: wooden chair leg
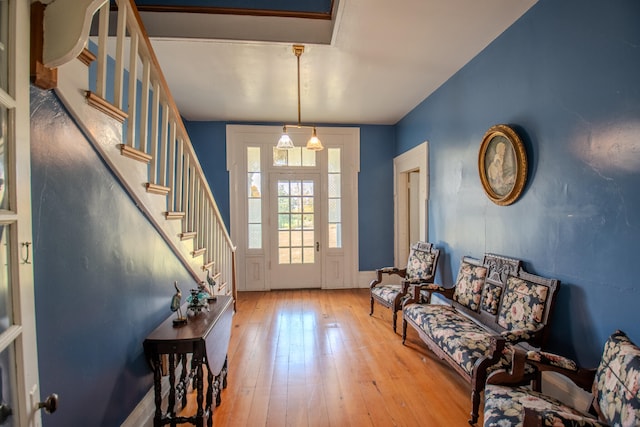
x: 404, y: 330
x: 395, y: 319
x: 371, y: 312
x: 475, y: 405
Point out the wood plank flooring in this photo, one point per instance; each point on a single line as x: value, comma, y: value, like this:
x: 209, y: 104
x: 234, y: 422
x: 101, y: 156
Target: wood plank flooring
x: 316, y: 358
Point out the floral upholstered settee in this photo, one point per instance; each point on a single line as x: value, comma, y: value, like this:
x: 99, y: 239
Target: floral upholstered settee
x: 421, y: 269
x: 495, y: 305
x: 615, y: 386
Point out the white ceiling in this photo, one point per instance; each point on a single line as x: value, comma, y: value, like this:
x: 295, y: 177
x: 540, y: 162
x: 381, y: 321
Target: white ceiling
x: 383, y: 59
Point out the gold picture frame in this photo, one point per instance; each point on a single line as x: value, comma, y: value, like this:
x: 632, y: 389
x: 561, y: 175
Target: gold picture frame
x: 502, y: 164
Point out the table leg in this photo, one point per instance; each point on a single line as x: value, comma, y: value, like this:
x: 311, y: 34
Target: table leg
x: 218, y: 385
x: 200, y: 394
x: 172, y: 386
x: 210, y: 386
x: 183, y: 376
x: 157, y: 388
x: 225, y: 369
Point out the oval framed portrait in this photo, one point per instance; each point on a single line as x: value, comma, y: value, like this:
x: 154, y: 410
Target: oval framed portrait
x: 502, y: 164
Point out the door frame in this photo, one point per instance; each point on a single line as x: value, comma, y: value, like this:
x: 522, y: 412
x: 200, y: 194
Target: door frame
x: 415, y: 159
x: 22, y: 329
x: 339, y: 265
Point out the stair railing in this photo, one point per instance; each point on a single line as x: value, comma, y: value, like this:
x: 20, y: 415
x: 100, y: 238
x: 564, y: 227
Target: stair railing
x: 130, y: 86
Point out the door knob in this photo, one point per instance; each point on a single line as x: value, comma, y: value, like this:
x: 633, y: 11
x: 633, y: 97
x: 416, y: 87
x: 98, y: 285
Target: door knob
x: 5, y: 412
x: 50, y: 404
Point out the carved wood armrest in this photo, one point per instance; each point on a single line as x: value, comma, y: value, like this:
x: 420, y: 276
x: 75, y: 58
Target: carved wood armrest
x: 386, y: 270
x: 542, y: 361
x: 392, y: 270
x: 447, y: 292
x: 545, y: 361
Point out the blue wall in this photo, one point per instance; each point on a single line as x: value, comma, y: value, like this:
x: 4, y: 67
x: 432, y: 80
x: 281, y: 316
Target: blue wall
x: 375, y: 197
x: 211, y: 149
x: 566, y: 76
x: 103, y: 276
x: 375, y: 184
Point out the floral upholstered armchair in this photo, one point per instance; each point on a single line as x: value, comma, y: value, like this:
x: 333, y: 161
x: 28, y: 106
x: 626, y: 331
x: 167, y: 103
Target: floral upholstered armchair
x: 421, y: 269
x: 615, y: 386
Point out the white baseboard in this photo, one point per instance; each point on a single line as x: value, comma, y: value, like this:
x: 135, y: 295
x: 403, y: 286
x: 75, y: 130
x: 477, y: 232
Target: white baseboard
x: 142, y: 415
x: 364, y: 278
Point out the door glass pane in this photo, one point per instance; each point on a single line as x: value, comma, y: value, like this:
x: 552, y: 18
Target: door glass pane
x: 296, y: 204
x: 254, y: 184
x: 284, y: 239
x: 335, y: 235
x: 279, y: 157
x: 255, y: 211
x: 296, y: 188
x: 334, y: 185
x: 296, y: 255
x: 297, y: 156
x: 294, y: 157
x: 296, y: 238
x: 296, y: 222
x: 283, y: 256
x: 253, y: 159
x: 333, y: 156
x: 4, y: 42
x: 8, y: 388
x: 307, y: 238
x: 334, y: 210
x: 334, y: 197
x: 254, y: 199
x: 255, y: 236
x: 283, y: 188
x: 4, y: 199
x: 308, y: 157
x: 6, y: 315
x: 283, y: 204
x: 308, y: 254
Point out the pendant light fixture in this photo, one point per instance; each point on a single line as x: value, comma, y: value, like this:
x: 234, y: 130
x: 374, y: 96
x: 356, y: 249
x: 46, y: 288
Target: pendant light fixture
x: 285, y: 142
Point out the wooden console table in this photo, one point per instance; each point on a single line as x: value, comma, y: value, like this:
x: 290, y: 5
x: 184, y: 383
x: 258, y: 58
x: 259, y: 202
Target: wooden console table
x: 206, y: 337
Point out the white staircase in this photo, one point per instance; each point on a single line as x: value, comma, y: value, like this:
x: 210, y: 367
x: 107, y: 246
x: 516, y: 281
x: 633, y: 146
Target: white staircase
x: 136, y: 127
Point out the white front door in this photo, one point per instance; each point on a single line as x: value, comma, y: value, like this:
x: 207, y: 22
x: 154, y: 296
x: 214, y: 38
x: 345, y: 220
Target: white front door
x: 19, y: 386
x: 295, y: 232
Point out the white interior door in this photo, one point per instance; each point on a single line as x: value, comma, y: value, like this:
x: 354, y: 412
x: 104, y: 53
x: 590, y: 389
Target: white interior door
x: 295, y: 220
x: 19, y: 387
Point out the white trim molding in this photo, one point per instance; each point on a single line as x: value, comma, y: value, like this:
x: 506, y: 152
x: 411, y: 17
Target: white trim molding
x: 414, y: 160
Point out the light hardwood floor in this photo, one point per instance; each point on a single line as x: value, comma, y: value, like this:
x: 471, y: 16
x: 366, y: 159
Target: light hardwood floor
x: 316, y: 358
